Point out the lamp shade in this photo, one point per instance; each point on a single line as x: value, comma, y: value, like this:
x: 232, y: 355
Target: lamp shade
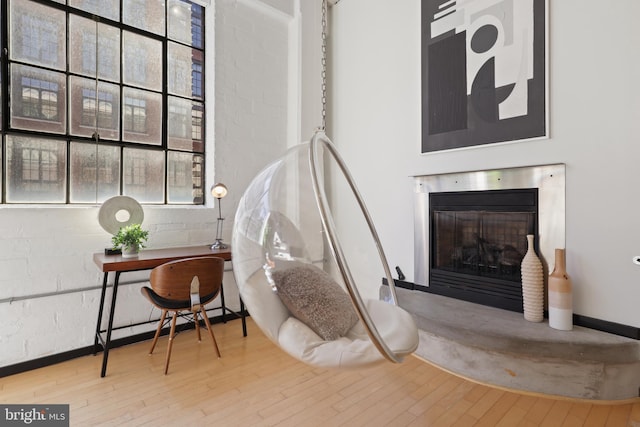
x: 219, y: 190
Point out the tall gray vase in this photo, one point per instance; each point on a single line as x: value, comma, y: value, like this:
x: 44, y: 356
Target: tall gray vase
x: 532, y: 284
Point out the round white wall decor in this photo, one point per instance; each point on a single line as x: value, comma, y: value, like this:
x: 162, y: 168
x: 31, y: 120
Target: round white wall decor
x: 120, y: 211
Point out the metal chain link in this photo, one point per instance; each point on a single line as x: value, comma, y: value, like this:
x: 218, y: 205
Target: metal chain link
x: 96, y: 135
x: 324, y: 65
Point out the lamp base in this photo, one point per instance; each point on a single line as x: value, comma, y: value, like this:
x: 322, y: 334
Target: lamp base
x: 219, y: 245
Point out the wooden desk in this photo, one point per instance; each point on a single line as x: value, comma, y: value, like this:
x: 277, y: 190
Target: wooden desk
x: 147, y: 260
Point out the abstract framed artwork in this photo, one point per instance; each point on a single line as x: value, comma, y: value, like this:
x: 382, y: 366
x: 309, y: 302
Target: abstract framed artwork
x: 484, y: 76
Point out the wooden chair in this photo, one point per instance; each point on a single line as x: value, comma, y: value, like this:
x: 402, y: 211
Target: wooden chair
x: 184, y: 285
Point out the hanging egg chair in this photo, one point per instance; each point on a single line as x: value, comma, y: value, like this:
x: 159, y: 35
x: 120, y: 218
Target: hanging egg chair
x: 315, y: 296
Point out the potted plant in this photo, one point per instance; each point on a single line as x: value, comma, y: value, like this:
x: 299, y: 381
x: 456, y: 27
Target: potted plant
x: 130, y: 239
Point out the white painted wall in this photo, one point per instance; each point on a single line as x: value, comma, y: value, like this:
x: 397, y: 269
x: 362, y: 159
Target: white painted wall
x: 594, y: 126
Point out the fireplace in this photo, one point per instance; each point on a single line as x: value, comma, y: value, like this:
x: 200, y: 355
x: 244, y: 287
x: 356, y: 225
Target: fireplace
x: 471, y: 231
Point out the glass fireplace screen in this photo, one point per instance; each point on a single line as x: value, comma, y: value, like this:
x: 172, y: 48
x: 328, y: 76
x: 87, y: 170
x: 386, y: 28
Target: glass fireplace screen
x: 481, y: 243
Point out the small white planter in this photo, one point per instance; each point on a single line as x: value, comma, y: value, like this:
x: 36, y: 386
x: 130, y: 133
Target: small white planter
x: 130, y: 252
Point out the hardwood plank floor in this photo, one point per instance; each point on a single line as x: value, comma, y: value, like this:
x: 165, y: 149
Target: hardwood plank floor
x: 256, y: 384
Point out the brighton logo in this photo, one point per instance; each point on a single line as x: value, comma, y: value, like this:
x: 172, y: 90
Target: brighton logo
x: 35, y: 415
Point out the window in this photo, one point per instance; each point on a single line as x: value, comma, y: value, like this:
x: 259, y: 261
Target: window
x: 135, y: 115
x: 39, y: 99
x: 103, y: 107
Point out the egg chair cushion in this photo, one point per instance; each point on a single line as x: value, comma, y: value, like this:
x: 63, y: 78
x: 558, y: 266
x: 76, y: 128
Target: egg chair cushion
x: 355, y: 349
x: 350, y: 351
x: 314, y: 298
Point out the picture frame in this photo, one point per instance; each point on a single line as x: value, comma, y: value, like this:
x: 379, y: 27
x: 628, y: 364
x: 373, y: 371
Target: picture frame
x: 484, y: 72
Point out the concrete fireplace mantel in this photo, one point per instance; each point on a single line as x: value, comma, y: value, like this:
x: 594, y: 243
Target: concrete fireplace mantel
x: 500, y: 348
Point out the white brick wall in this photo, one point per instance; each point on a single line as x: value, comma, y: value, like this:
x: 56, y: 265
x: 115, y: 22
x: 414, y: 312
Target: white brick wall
x: 48, y: 250
x: 251, y: 90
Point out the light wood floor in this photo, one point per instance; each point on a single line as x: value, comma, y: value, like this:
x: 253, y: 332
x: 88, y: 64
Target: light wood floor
x: 256, y: 384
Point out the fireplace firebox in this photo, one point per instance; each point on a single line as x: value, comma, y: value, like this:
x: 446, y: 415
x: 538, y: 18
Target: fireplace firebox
x: 478, y: 240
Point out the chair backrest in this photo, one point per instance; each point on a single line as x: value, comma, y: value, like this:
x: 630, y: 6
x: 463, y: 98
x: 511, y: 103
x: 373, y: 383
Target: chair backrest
x: 173, y: 279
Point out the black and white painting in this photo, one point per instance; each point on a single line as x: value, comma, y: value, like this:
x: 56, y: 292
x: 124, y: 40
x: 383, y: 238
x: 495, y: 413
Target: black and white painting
x: 483, y: 72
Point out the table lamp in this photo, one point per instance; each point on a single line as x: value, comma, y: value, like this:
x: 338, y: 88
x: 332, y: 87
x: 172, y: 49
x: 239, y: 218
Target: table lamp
x: 219, y: 191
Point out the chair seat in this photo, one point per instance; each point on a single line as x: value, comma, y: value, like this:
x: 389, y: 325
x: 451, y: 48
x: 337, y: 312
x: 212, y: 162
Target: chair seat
x: 355, y: 349
x: 170, y: 304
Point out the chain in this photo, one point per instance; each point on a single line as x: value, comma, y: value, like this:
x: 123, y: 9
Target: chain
x: 324, y: 66
x: 96, y: 135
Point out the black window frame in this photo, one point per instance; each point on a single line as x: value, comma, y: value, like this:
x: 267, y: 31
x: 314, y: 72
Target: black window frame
x: 198, y: 95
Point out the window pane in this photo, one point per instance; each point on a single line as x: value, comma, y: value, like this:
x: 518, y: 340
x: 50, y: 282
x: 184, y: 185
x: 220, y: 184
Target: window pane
x: 107, y: 8
x: 84, y: 173
x: 143, y: 172
x: 185, y: 124
x: 185, y: 22
x: 184, y: 178
x: 36, y: 170
x: 184, y: 71
x: 142, y: 116
x: 38, y: 99
x: 142, y: 61
x: 82, y: 46
x: 37, y: 34
x: 82, y: 111
x: 145, y: 14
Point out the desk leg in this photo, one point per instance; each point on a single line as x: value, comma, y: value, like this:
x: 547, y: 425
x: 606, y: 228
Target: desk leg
x: 100, y: 310
x: 243, y: 313
x: 222, y: 304
x: 107, y: 342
